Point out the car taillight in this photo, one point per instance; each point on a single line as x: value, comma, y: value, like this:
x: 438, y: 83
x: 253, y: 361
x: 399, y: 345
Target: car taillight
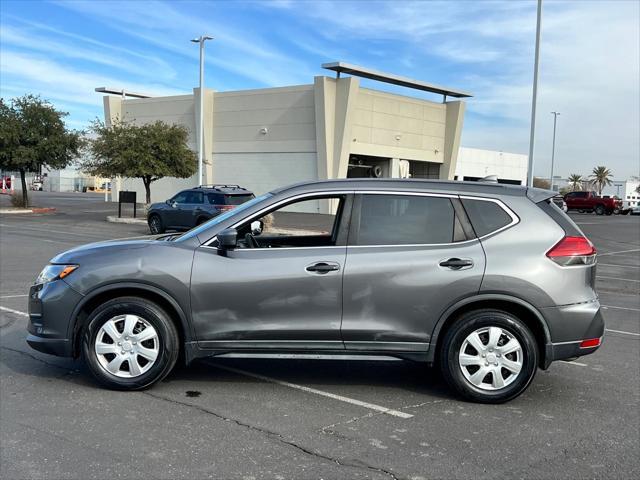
x: 590, y: 343
x: 573, y: 251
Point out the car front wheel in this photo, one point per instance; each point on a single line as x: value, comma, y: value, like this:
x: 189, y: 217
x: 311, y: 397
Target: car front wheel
x: 489, y: 356
x: 130, y: 343
x: 155, y: 224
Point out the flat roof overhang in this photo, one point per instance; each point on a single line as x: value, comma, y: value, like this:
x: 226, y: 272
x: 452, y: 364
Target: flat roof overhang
x: 122, y: 92
x: 341, y: 67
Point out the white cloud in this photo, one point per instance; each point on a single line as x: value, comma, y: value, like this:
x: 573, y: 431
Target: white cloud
x: 26, y: 73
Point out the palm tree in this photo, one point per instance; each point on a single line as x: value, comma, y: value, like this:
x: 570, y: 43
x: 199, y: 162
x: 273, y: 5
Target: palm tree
x: 575, y: 181
x: 600, y: 176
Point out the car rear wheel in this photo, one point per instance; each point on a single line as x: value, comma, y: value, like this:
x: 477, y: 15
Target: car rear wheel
x: 488, y: 356
x: 155, y: 224
x: 130, y: 343
x: 599, y: 210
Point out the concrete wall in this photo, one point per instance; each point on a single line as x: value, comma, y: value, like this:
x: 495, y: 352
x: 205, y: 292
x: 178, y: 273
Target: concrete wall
x: 474, y: 162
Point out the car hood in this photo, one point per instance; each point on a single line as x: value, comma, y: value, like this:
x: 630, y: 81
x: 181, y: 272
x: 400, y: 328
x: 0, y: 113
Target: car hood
x: 75, y: 254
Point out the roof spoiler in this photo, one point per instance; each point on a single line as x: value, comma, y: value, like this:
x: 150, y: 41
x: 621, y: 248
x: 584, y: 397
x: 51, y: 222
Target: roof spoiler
x: 489, y: 179
x: 540, y: 194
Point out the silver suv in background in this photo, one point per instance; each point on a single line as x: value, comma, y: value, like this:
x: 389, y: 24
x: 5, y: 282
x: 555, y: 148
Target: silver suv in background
x: 487, y: 281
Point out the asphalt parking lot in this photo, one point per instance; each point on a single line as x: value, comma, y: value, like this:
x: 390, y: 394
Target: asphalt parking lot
x: 310, y: 418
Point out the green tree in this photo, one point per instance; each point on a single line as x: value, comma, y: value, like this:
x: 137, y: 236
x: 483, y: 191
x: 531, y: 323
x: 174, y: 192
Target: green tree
x: 541, y: 183
x: 149, y: 152
x: 575, y: 181
x: 32, y: 134
x: 601, y: 177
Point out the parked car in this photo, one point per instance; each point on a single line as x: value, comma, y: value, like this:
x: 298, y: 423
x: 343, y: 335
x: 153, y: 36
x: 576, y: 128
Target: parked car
x: 591, y: 202
x: 560, y: 203
x: 634, y: 210
x: 488, y: 281
x: 194, y: 206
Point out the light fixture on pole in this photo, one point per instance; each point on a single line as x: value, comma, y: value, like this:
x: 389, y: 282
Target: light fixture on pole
x: 535, y: 94
x: 553, y: 146
x: 200, y: 40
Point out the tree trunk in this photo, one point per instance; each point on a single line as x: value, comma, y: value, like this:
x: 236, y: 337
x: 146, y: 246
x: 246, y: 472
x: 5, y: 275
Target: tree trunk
x: 25, y: 193
x: 147, y: 188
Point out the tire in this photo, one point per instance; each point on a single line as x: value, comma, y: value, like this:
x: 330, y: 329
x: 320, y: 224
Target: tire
x: 126, y: 364
x: 155, y: 224
x: 609, y: 212
x: 599, y: 210
x: 617, y: 211
x: 467, y: 381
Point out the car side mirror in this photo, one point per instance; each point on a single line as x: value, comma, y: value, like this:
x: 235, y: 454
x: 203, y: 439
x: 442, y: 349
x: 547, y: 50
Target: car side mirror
x: 227, y: 239
x: 174, y: 205
x: 256, y: 227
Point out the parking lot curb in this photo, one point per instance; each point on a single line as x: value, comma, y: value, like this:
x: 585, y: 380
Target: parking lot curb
x: 4, y: 211
x: 128, y: 220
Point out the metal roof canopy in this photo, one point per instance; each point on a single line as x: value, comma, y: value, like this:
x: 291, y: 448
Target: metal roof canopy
x: 341, y: 67
x: 122, y: 92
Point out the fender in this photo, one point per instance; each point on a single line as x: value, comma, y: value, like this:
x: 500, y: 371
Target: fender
x: 480, y: 298
x: 74, y: 326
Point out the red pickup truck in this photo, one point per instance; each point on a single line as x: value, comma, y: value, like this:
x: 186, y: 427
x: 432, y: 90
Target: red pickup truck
x: 591, y: 202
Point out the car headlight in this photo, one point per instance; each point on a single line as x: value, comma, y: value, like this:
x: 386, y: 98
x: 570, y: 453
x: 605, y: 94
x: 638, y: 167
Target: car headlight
x: 54, y: 272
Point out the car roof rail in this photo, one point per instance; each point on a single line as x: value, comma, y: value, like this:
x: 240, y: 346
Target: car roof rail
x: 218, y: 186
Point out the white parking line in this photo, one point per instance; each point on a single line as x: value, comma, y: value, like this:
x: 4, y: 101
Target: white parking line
x: 15, y: 312
x: 621, y: 308
x: 618, y: 278
x: 577, y: 364
x: 14, y: 296
x: 623, y: 332
x: 614, y: 265
x: 621, y: 251
x: 352, y: 401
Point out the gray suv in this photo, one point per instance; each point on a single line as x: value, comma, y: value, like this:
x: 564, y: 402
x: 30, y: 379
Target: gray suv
x: 192, y: 207
x: 489, y: 282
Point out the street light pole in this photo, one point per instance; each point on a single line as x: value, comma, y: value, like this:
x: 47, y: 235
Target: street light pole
x: 535, y: 94
x: 200, y: 40
x: 553, y: 147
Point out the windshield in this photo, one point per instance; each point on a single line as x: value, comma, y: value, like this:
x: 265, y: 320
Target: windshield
x: 222, y: 217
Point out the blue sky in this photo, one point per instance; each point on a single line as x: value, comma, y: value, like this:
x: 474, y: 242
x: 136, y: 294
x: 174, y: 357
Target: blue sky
x: 589, y: 60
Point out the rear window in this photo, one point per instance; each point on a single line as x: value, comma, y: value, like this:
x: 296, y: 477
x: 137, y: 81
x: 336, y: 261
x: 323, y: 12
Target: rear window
x: 485, y: 216
x: 236, y: 199
x: 405, y: 220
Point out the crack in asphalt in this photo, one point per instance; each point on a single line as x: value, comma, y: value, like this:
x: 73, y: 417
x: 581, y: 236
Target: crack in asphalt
x: 278, y: 437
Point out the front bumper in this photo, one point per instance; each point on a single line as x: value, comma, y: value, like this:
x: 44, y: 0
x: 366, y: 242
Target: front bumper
x: 569, y: 325
x: 51, y: 307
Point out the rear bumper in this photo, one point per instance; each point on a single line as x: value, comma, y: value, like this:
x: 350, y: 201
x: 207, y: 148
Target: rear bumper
x: 569, y: 325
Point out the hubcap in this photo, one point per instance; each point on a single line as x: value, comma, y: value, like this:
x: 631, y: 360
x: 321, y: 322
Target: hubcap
x: 127, y: 346
x: 491, y: 358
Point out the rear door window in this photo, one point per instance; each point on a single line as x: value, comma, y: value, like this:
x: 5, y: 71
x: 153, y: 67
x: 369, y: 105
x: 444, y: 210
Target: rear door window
x: 486, y: 216
x: 405, y: 220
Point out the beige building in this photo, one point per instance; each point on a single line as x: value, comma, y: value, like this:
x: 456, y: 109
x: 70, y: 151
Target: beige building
x: 331, y: 128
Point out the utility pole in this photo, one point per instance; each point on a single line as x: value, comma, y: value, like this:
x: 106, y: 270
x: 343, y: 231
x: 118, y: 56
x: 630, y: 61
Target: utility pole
x: 535, y: 94
x: 553, y: 147
x: 200, y: 40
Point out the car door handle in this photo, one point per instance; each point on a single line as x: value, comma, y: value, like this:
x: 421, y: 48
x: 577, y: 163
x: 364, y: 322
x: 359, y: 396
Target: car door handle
x: 323, y: 267
x: 456, y: 263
